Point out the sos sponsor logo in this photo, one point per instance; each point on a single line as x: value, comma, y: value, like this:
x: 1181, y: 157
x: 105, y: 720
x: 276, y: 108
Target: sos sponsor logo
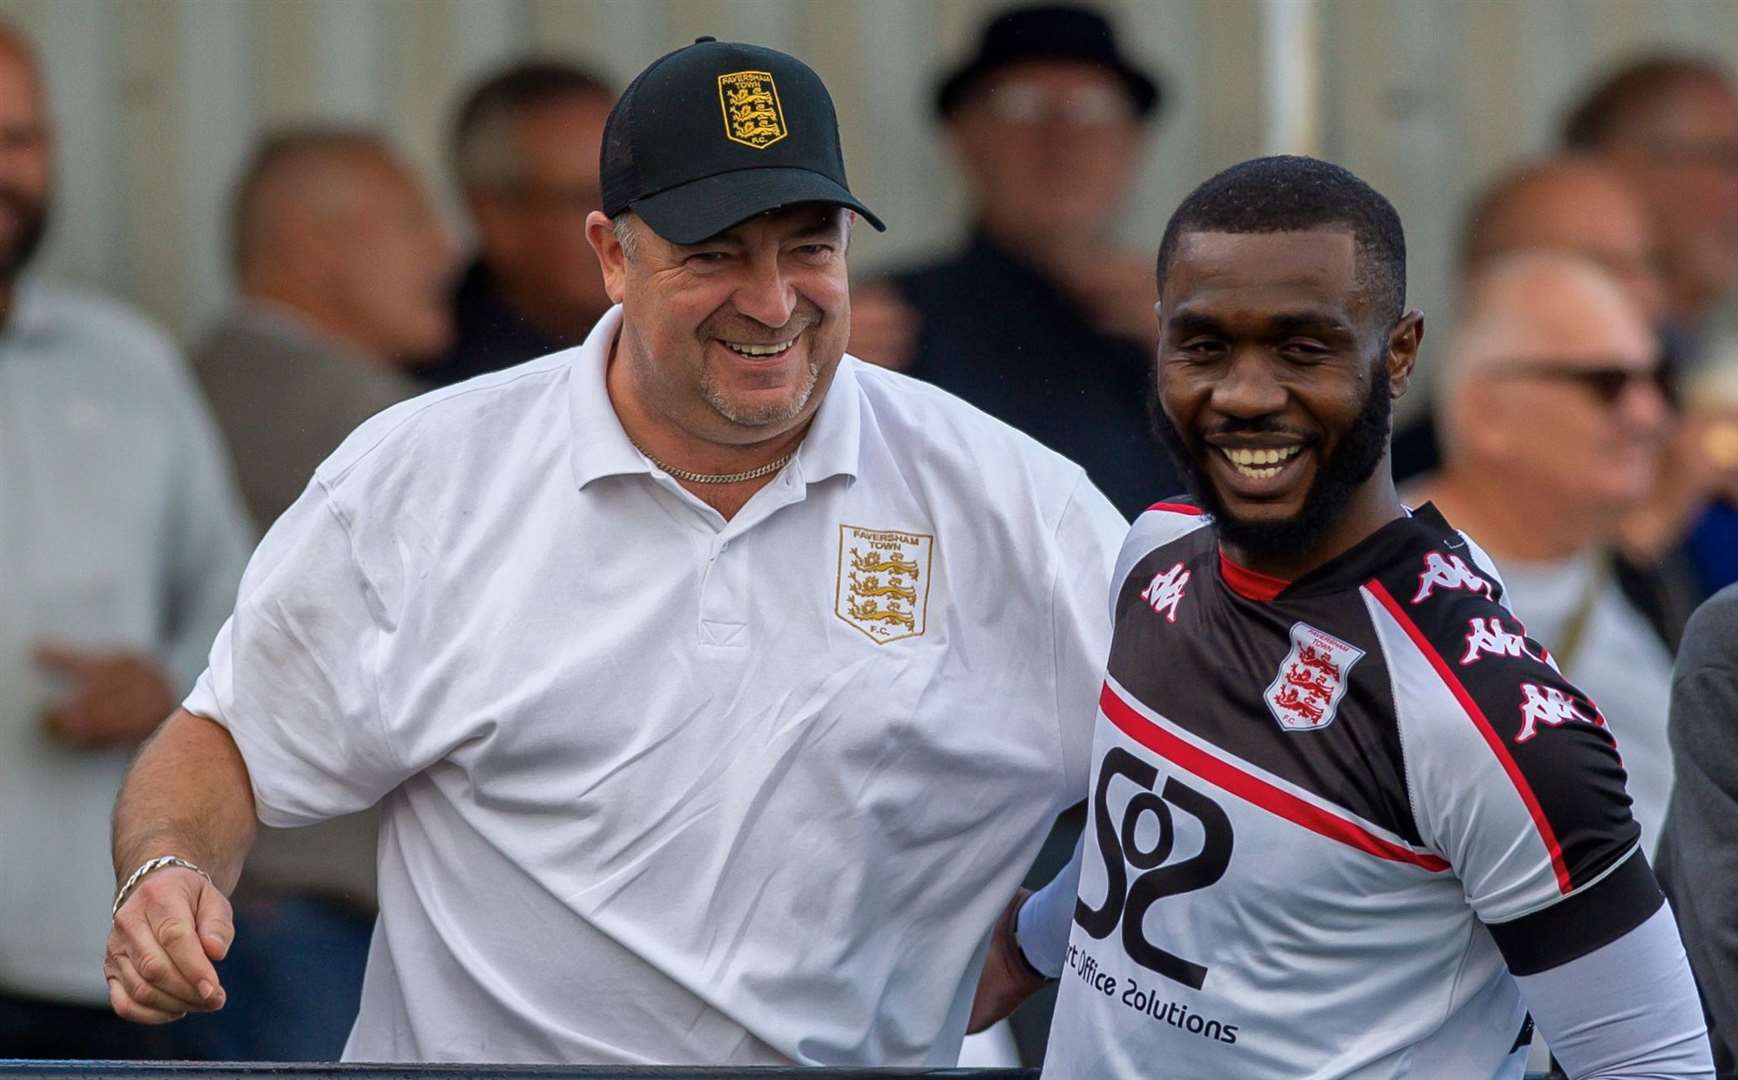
x: 1142, y: 841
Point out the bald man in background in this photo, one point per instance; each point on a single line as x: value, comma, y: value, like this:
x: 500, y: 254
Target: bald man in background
x: 343, y: 272
x: 1552, y: 419
x: 1571, y: 204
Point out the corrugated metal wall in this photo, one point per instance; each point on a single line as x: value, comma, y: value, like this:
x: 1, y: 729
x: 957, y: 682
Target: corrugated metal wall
x: 158, y: 100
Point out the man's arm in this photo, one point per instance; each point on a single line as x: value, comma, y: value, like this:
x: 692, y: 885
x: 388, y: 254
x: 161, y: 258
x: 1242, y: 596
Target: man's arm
x: 187, y: 795
x: 1027, y: 947
x: 1625, y: 1011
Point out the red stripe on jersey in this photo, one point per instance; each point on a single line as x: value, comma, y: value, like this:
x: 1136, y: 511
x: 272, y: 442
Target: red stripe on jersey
x: 1477, y: 715
x: 1177, y: 508
x: 1253, y: 789
x: 1250, y: 584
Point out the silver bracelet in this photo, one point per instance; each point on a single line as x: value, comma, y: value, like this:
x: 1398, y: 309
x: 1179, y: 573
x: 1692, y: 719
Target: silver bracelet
x: 150, y: 866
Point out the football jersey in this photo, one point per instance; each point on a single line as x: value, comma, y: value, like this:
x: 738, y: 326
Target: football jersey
x: 1329, y: 818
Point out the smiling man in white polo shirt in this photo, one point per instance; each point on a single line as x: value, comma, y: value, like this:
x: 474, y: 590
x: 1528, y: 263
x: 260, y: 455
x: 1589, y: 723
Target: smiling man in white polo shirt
x: 718, y: 689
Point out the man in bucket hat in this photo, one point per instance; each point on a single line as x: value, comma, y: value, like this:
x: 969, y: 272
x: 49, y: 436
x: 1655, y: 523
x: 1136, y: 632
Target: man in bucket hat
x: 1040, y: 320
x: 716, y: 687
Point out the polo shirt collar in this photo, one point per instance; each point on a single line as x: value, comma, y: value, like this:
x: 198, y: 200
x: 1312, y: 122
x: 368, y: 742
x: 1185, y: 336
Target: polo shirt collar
x: 600, y: 445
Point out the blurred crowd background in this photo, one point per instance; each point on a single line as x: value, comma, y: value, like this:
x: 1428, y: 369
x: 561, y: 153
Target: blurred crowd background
x: 285, y: 215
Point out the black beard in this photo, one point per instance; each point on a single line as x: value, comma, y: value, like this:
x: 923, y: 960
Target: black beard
x: 32, y: 225
x: 1353, y: 462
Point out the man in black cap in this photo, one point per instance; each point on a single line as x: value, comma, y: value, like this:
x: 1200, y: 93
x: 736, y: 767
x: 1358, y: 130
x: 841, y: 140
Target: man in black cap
x: 1040, y: 321
x: 716, y: 687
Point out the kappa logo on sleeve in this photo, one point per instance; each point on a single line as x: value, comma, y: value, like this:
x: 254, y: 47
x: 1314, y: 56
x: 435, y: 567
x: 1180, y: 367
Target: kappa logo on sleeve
x: 1311, y: 680
x: 1165, y: 592
x: 1449, y: 572
x: 882, y: 587
x: 1486, y: 637
x: 1551, y: 707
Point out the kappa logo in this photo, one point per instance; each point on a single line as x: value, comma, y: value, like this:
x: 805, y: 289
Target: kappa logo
x: 1312, y: 679
x: 1486, y: 637
x: 1165, y: 591
x: 752, y: 114
x: 1551, y: 707
x: 882, y: 587
x: 1449, y: 572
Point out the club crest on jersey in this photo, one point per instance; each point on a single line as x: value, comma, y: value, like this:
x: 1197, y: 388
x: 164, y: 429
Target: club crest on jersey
x: 1165, y: 591
x: 1448, y: 572
x: 1551, y: 707
x: 882, y: 587
x: 1311, y: 680
x: 752, y: 115
x: 1486, y: 637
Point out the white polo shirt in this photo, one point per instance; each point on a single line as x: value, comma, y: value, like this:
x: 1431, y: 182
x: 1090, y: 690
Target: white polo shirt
x: 661, y: 787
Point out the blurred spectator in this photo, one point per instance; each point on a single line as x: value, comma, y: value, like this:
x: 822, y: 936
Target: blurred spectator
x: 343, y: 270
x: 1669, y: 123
x: 1552, y: 417
x: 1698, y: 860
x: 121, y: 542
x: 1040, y: 321
x: 525, y: 151
x: 1571, y: 204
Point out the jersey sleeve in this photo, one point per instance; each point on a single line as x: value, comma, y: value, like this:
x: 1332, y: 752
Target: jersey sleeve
x: 1159, y: 525
x: 1513, y: 775
x: 1087, y: 536
x: 292, y: 674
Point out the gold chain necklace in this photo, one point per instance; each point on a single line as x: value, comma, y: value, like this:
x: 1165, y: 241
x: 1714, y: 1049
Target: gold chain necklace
x: 714, y: 478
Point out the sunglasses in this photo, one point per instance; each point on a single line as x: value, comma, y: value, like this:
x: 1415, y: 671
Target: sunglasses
x: 1605, y: 385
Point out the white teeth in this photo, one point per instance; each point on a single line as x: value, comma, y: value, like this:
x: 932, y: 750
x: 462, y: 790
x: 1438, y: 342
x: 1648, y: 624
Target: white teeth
x: 759, y: 350
x: 1244, y: 459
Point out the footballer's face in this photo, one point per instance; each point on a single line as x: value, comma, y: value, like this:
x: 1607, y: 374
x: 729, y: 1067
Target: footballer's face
x: 1275, y: 376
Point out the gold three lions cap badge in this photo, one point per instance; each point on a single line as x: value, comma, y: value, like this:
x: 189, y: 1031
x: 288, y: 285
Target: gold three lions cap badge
x: 752, y: 114
x: 883, y: 582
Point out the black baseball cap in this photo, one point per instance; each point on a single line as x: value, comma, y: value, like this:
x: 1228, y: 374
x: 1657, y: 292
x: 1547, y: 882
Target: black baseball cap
x: 717, y: 132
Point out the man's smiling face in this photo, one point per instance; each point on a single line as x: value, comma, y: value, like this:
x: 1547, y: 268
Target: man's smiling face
x: 1275, y: 378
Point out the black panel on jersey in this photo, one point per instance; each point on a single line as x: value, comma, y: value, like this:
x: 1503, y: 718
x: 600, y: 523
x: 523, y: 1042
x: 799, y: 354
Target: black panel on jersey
x: 1208, y: 672
x: 1589, y: 920
x: 1570, y: 766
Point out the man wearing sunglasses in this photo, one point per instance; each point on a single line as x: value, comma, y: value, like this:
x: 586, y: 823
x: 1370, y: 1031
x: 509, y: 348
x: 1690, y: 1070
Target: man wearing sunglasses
x: 1553, y: 420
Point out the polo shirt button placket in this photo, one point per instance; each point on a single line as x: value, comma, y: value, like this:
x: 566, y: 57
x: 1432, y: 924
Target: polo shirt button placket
x: 723, y: 599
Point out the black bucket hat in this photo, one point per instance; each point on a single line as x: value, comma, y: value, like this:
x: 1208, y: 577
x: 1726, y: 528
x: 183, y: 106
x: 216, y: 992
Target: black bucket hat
x: 1048, y: 32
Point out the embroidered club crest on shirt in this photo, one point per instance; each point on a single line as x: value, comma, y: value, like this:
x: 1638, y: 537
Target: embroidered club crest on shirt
x: 883, y: 581
x: 1311, y: 680
x: 752, y: 114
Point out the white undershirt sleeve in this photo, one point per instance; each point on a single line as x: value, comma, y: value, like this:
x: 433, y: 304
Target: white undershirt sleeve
x: 1047, y: 917
x: 1625, y: 1011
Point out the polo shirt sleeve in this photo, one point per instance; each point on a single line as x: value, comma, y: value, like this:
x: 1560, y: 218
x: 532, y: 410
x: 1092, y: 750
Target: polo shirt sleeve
x: 1514, y: 778
x: 293, y: 673
x: 1088, y: 537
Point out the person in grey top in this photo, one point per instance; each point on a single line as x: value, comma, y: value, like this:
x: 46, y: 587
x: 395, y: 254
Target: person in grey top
x: 343, y: 270
x: 1698, y: 856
